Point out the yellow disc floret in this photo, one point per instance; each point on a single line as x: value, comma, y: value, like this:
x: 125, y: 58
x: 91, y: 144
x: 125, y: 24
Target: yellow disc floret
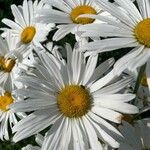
x: 80, y: 10
x: 142, y: 32
x: 6, y: 64
x: 74, y: 101
x: 5, y: 101
x: 28, y: 34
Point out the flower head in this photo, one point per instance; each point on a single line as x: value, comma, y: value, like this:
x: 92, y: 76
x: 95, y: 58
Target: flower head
x: 7, y: 116
x: 67, y: 15
x: 130, y: 29
x: 76, y: 98
x: 24, y: 28
x: 9, y: 60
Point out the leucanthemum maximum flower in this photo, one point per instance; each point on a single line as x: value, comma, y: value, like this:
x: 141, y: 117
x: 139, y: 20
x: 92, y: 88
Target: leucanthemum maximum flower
x: 76, y: 99
x: 131, y: 29
x: 66, y: 15
x: 28, y: 33
x: 9, y: 61
x: 7, y: 116
x: 136, y: 137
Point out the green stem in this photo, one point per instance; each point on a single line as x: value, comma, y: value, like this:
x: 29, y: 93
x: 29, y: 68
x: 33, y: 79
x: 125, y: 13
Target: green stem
x: 139, y: 78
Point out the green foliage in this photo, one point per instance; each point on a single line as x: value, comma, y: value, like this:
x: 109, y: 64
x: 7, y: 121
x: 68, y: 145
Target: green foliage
x: 5, y: 11
x: 8, y: 145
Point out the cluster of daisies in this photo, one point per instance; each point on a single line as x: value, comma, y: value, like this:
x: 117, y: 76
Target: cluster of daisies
x: 64, y: 95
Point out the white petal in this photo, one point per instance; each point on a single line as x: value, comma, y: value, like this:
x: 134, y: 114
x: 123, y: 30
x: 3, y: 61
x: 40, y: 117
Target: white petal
x: 101, y: 69
x: 11, y: 24
x: 62, y: 32
x: 53, y: 136
x: 90, y: 68
x: 102, y: 82
x: 118, y: 106
x: 109, y: 44
x: 115, y: 87
x: 33, y: 124
x: 26, y: 14
x: 144, y: 6
x: 104, y: 135
x: 93, y: 140
x: 114, y: 10
x: 52, y: 16
x: 130, y: 8
x: 104, y: 30
x: 18, y: 16
x: 107, y: 114
x: 32, y: 104
x: 112, y: 98
x: 123, y: 63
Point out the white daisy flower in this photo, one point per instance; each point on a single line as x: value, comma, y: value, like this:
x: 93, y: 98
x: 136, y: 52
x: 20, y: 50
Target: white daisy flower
x: 28, y: 32
x: 76, y: 99
x: 67, y: 13
x: 9, y: 61
x: 7, y: 116
x: 39, y: 140
x: 130, y: 30
x: 136, y: 137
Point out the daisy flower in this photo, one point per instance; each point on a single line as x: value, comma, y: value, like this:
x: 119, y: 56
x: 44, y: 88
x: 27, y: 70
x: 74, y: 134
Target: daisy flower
x: 131, y: 29
x: 136, y: 137
x: 39, y: 140
x: 7, y: 116
x: 23, y: 27
x: 66, y: 15
x: 76, y: 99
x: 9, y: 60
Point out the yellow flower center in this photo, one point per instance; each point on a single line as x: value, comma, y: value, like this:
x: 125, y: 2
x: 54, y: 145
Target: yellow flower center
x: 6, y: 64
x: 74, y: 101
x: 144, y: 80
x: 142, y: 32
x: 79, y: 10
x: 5, y: 101
x: 28, y: 34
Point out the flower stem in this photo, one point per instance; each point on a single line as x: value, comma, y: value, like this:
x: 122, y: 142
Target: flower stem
x: 139, y: 78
